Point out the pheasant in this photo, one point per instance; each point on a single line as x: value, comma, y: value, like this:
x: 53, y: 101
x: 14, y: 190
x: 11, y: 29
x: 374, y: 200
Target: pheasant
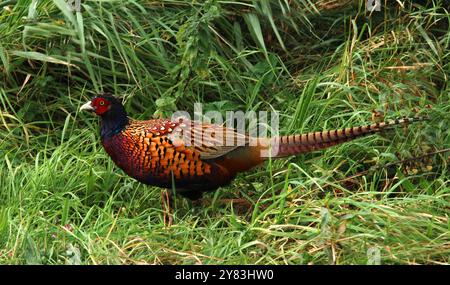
x: 158, y: 152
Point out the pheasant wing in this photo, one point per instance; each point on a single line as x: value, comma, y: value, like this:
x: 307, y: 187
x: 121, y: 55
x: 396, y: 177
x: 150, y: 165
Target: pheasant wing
x: 209, y: 140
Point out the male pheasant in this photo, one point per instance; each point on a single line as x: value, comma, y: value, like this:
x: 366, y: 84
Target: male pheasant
x: 158, y: 152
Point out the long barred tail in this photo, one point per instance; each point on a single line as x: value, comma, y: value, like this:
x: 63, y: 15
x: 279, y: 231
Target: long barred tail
x: 297, y: 144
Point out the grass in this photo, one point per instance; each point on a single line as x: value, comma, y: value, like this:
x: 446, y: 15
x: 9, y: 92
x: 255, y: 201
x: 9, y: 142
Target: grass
x: 330, y: 65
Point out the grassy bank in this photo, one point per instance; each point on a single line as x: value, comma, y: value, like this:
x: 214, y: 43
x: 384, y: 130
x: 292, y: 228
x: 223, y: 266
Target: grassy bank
x: 330, y: 65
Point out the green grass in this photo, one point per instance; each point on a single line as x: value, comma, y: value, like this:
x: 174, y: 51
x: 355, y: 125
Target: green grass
x: 62, y: 200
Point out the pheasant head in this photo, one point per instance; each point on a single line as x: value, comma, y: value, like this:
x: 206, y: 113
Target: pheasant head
x: 111, y: 111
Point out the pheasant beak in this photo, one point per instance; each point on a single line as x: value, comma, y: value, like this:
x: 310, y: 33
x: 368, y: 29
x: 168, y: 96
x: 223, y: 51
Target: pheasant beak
x: 87, y: 107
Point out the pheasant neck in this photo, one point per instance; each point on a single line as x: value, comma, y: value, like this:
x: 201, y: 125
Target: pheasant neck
x: 113, y: 122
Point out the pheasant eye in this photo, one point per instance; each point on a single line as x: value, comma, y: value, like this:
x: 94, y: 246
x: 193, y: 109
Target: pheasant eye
x: 102, y: 103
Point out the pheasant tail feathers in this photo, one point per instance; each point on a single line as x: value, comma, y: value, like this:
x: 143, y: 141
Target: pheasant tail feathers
x: 302, y: 143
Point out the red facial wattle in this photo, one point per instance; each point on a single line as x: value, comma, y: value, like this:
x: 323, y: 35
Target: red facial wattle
x: 100, y: 105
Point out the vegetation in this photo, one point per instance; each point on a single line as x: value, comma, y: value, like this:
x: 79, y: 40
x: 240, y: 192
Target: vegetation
x: 324, y: 65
